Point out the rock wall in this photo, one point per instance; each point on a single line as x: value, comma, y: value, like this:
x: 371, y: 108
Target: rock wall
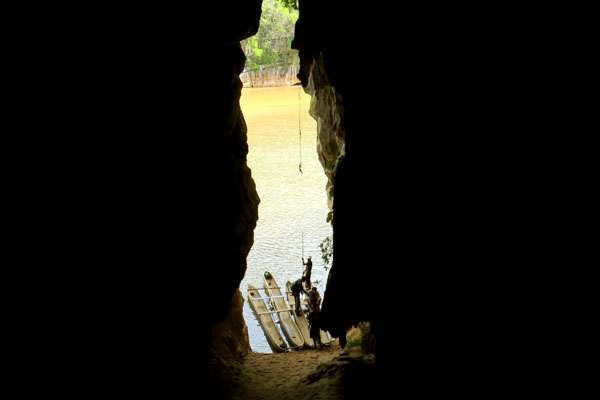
x: 327, y: 109
x: 149, y: 214
x: 345, y: 140
x: 234, y: 195
x: 431, y: 206
x: 230, y: 338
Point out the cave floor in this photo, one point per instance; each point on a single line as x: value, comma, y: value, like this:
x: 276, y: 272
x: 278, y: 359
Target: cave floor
x: 326, y: 373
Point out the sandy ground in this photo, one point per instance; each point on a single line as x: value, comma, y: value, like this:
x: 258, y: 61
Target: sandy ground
x: 326, y: 373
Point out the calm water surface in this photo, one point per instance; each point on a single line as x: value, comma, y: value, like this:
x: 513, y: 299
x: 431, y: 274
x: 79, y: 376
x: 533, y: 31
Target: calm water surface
x: 292, y: 205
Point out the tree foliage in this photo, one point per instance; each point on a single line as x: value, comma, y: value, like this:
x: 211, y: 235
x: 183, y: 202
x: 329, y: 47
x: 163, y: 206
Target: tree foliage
x: 290, y: 4
x: 327, y: 252
x: 272, y: 43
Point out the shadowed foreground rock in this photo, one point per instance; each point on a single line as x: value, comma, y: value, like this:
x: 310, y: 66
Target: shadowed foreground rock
x: 309, y: 374
x: 346, y: 376
x: 230, y: 338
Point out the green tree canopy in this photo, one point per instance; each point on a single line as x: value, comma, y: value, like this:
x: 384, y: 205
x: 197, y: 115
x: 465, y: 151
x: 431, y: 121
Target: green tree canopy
x: 272, y: 43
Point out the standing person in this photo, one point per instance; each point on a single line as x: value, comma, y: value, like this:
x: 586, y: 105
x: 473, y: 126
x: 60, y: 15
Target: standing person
x: 315, y: 327
x: 298, y: 287
x: 314, y: 300
x: 307, y: 271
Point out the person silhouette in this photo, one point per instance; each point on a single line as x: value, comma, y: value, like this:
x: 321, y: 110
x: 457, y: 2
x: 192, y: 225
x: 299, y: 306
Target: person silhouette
x: 307, y: 271
x: 297, y: 287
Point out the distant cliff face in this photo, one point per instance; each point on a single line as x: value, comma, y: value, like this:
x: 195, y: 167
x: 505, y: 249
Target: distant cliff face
x: 270, y: 77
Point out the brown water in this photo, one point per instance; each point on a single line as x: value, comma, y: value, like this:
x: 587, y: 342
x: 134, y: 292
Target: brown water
x: 293, y: 207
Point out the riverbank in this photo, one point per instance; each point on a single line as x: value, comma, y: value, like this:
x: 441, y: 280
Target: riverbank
x: 270, y: 77
x: 326, y: 373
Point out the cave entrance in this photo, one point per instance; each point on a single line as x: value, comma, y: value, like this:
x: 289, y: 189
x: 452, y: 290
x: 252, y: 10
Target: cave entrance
x: 282, y: 155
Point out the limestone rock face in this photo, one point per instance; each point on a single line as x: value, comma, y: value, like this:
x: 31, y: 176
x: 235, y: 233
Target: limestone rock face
x: 345, y: 114
x: 235, y: 196
x: 234, y: 193
x: 327, y: 109
x: 230, y: 338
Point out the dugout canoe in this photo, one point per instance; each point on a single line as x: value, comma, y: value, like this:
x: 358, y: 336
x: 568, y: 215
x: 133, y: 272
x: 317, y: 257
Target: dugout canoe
x: 265, y: 318
x: 288, y: 326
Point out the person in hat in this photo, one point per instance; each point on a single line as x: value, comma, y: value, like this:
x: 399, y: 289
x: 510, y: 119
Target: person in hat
x: 296, y: 288
x: 314, y: 300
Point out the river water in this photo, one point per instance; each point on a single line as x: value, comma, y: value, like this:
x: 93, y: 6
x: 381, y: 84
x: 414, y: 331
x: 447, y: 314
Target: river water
x: 293, y: 206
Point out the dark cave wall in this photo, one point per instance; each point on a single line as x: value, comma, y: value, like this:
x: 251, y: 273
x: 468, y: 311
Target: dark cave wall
x: 236, y: 194
x: 433, y: 201
x: 152, y: 205
x: 343, y: 104
x: 414, y: 98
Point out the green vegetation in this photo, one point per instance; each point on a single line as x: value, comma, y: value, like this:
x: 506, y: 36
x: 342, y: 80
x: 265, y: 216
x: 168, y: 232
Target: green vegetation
x: 272, y: 44
x: 329, y: 217
x: 357, y: 341
x: 290, y: 3
x: 326, y: 252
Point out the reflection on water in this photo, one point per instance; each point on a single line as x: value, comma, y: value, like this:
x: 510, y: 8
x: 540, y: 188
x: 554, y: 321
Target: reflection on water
x: 292, y: 205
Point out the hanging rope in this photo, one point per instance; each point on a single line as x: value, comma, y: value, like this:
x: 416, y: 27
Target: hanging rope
x: 303, y: 244
x: 300, y: 131
x: 300, y: 164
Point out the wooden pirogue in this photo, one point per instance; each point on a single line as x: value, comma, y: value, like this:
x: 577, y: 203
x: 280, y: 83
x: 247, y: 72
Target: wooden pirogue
x: 265, y: 318
x: 301, y: 320
x: 288, y: 326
